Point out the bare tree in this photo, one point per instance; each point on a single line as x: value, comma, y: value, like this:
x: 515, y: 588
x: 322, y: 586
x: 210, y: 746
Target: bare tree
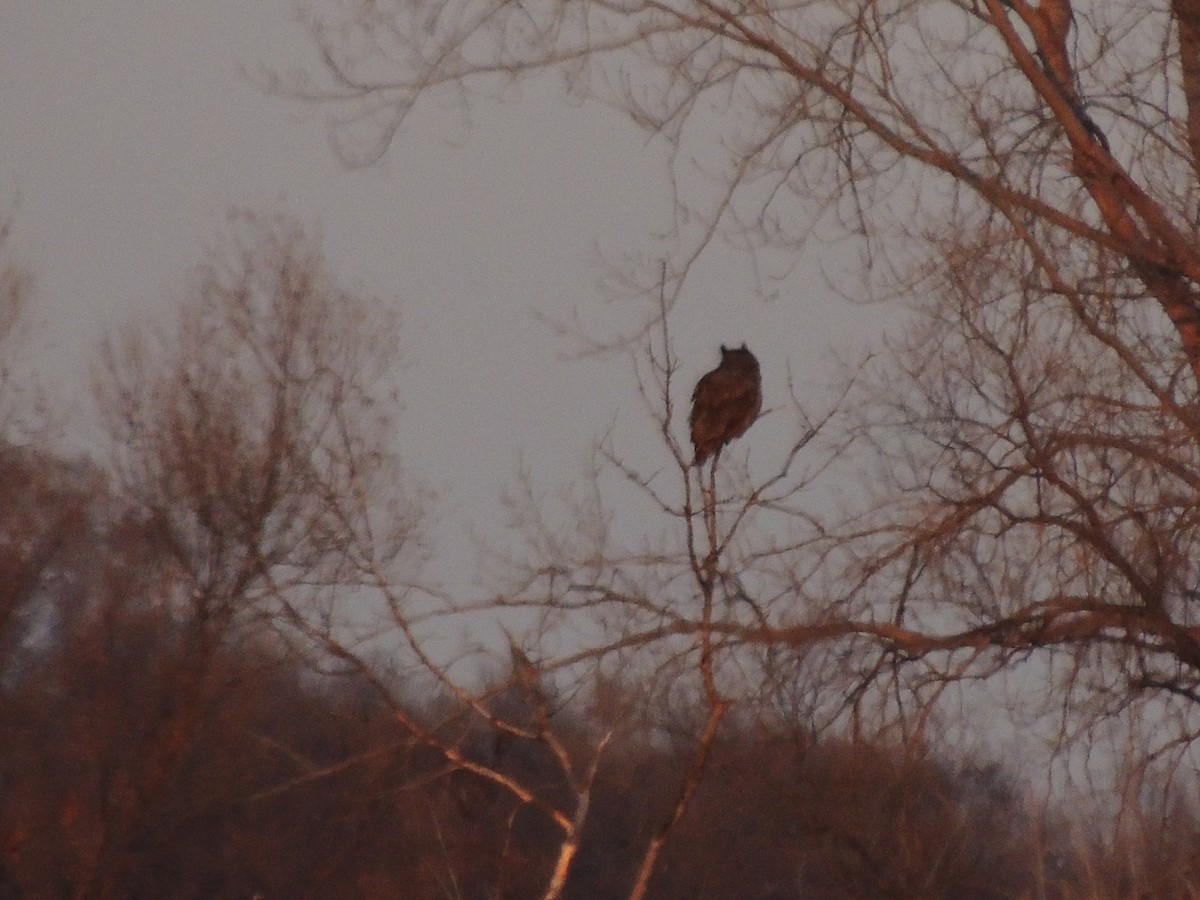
x: 1041, y: 457
x: 1031, y: 166
x: 243, y: 445
x: 256, y: 445
x: 1030, y: 171
x: 1073, y: 122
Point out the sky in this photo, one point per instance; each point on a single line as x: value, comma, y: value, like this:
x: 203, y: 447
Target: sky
x: 127, y: 130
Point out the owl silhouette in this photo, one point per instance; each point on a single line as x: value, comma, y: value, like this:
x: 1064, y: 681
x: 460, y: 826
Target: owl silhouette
x: 726, y: 402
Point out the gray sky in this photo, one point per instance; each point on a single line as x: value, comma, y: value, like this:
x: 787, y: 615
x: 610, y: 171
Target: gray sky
x: 127, y: 130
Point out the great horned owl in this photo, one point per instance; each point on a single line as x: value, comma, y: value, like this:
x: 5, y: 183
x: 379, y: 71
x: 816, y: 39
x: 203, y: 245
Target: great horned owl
x: 726, y: 402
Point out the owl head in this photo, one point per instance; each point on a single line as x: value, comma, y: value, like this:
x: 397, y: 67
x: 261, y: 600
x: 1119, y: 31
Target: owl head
x: 738, y: 357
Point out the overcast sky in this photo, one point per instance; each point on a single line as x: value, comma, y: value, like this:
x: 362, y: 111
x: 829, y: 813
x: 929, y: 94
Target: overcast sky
x: 128, y: 129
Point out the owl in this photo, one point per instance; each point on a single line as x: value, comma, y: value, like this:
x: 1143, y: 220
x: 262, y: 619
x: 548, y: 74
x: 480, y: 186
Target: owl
x: 725, y: 402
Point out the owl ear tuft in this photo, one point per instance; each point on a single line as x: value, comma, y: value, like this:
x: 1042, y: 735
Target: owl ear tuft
x: 724, y: 349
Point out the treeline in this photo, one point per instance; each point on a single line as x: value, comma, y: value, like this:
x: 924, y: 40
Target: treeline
x: 222, y: 674
x: 143, y: 759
